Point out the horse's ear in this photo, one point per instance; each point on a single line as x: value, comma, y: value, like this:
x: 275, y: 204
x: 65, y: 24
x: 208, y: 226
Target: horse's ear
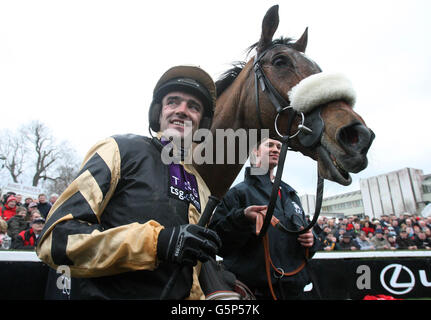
x: 301, y: 44
x: 269, y: 26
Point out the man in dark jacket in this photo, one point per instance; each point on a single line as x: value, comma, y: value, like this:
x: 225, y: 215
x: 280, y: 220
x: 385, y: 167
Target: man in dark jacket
x: 43, y: 206
x: 129, y: 219
x: 421, y: 241
x: 346, y: 243
x: 17, y: 223
x: 243, y: 253
x: 26, y: 239
x: 405, y: 242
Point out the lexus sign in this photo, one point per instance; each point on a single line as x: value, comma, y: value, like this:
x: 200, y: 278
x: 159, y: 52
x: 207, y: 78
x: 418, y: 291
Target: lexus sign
x: 400, y: 277
x: 395, y: 285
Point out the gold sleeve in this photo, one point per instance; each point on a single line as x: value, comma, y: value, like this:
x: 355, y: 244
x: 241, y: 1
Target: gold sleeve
x: 73, y: 235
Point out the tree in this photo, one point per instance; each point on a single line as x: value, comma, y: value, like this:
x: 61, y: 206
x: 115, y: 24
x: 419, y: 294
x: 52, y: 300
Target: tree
x: 33, y: 154
x: 45, y: 150
x: 12, y: 152
x: 65, y: 172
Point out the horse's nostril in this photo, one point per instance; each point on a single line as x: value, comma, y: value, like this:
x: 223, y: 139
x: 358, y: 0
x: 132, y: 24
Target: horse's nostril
x: 349, y: 135
x: 355, y: 138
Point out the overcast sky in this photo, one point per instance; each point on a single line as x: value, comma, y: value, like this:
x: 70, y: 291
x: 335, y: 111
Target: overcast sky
x: 87, y: 68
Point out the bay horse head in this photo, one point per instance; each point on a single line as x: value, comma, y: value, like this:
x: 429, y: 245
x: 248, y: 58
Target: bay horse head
x: 339, y: 140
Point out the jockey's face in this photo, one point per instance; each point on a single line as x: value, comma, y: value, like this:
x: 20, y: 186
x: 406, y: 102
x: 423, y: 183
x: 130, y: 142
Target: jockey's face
x: 181, y: 113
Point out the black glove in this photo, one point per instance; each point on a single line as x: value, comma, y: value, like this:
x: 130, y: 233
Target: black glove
x: 186, y: 244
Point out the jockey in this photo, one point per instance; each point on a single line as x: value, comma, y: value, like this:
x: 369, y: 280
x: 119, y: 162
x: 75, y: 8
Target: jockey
x: 128, y: 220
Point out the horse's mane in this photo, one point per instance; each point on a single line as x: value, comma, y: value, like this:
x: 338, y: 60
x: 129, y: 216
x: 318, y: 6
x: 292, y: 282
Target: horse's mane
x: 228, y: 77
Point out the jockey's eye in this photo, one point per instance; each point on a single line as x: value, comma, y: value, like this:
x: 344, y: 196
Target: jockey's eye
x: 195, y: 106
x: 173, y: 101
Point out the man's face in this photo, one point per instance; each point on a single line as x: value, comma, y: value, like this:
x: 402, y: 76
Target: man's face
x: 268, y: 152
x: 37, y: 227
x: 178, y: 111
x: 42, y: 199
x: 21, y: 213
x: 35, y: 215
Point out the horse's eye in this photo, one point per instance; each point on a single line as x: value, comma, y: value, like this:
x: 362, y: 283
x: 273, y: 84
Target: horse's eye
x: 280, y: 61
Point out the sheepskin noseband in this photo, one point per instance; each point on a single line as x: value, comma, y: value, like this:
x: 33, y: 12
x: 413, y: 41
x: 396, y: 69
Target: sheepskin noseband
x: 319, y: 89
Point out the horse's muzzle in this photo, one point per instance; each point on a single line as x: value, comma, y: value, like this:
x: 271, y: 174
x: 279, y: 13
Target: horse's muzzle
x: 355, y: 139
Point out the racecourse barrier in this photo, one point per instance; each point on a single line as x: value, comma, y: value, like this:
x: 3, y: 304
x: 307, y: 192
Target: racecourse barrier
x: 353, y: 275
x: 337, y: 275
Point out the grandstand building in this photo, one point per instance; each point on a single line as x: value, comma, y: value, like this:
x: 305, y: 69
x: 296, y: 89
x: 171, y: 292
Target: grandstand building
x: 397, y: 192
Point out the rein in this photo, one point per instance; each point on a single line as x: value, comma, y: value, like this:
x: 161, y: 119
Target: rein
x: 281, y: 105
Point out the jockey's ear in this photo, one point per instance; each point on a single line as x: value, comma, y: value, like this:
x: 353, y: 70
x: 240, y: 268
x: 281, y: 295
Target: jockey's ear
x: 269, y: 26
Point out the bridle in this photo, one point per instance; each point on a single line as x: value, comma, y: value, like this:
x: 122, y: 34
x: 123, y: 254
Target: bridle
x: 305, y: 100
x: 309, y: 133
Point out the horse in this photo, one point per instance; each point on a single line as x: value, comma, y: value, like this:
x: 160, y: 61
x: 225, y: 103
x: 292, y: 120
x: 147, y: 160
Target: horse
x: 339, y: 143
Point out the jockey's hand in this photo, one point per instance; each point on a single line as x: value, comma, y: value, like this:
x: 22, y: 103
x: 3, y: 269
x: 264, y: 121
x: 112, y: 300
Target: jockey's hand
x: 306, y: 239
x: 253, y: 211
x: 186, y: 244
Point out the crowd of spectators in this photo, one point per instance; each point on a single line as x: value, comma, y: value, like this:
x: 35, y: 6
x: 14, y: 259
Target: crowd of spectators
x: 22, y: 222
x: 390, y: 232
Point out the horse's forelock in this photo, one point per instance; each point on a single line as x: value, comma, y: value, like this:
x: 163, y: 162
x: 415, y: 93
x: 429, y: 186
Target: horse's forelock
x: 284, y: 41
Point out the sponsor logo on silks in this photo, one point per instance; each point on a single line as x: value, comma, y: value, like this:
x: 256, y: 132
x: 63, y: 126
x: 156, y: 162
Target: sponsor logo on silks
x: 183, y: 185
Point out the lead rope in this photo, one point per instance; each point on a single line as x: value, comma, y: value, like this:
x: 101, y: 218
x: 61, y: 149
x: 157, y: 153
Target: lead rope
x: 269, y: 263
